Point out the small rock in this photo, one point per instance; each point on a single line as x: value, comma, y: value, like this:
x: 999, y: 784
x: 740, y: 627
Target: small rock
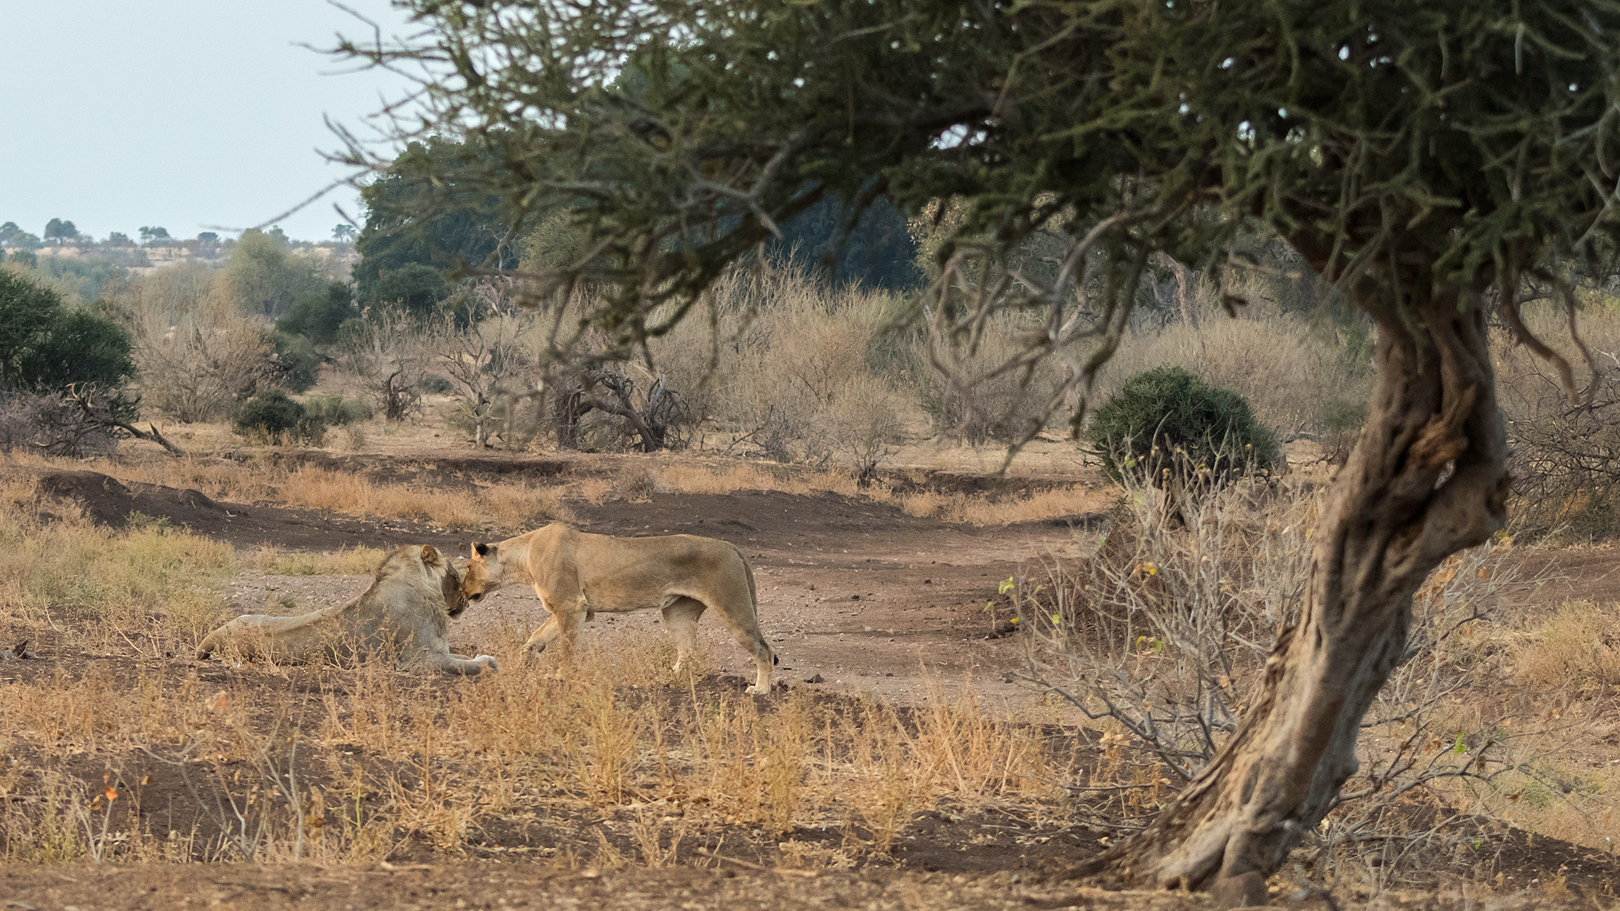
x: 854, y: 597
x: 815, y: 679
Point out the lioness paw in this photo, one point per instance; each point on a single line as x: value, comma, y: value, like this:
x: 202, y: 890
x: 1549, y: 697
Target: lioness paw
x: 487, y: 661
x: 757, y: 691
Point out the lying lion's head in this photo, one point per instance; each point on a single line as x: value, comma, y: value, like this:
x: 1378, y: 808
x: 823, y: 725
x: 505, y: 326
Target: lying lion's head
x: 455, y: 601
x: 482, y: 572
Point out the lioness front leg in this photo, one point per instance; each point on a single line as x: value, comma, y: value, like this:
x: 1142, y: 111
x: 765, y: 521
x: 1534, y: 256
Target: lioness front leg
x: 563, y: 624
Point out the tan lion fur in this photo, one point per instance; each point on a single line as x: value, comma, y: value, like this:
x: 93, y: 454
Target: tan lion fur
x: 577, y: 574
x: 404, y: 614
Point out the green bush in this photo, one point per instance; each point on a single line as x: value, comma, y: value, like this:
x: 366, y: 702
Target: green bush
x: 298, y: 363
x: 335, y: 411
x: 45, y: 346
x: 1166, y: 423
x: 271, y: 416
x: 316, y: 315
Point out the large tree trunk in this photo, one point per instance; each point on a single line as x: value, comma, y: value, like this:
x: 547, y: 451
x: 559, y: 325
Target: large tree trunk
x: 1426, y: 479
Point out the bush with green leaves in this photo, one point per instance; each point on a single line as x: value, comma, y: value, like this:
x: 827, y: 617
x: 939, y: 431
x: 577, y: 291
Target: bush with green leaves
x: 336, y: 411
x: 317, y: 314
x: 45, y: 345
x: 271, y: 416
x: 1167, y: 424
x: 297, y: 362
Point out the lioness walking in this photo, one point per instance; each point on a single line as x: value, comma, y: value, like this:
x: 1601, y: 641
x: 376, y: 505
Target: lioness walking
x: 576, y: 574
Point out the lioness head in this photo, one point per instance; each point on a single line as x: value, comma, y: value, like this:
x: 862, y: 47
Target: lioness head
x: 482, y: 573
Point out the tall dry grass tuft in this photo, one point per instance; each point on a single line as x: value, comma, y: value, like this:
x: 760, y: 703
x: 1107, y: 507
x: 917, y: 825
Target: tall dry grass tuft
x: 1578, y: 648
x: 150, y: 587
x: 795, y: 370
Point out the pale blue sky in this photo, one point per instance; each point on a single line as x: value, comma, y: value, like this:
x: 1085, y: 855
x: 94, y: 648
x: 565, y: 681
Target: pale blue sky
x: 188, y: 114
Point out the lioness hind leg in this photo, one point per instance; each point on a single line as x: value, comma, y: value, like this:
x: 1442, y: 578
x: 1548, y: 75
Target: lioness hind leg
x: 681, y: 619
x: 745, y: 626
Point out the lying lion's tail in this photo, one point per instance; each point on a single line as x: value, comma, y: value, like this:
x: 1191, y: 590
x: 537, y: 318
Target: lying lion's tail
x: 211, y: 644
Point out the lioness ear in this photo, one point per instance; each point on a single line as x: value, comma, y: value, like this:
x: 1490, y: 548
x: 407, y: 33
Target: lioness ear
x: 430, y: 555
x: 483, y: 549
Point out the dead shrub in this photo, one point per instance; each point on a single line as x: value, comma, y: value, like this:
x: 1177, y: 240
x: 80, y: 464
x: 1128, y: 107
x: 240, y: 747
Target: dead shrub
x: 1565, y: 458
x: 196, y: 357
x: 975, y: 391
x: 1163, y: 635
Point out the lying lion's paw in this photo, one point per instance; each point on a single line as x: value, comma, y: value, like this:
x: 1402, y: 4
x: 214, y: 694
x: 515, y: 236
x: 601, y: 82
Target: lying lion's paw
x: 487, y: 661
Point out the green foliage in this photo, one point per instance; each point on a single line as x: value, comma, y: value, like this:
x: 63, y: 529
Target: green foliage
x: 273, y: 417
x: 317, y: 314
x: 879, y: 253
x: 433, y: 384
x: 415, y: 288
x: 298, y: 362
x: 46, y: 346
x: 1459, y: 135
x: 336, y: 411
x: 421, y: 219
x: 1168, y: 420
x: 85, y: 278
x: 263, y: 278
x: 61, y: 231
x: 13, y: 236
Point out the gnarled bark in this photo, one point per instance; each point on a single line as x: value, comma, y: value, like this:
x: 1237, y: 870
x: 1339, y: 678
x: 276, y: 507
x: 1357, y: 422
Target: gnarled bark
x: 1426, y: 479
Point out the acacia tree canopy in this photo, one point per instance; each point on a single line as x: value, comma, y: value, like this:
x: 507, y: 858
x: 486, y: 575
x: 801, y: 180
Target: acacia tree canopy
x: 1426, y: 158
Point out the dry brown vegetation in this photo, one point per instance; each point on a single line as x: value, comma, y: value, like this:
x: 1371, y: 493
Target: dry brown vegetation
x: 1503, y: 714
x: 1500, y: 717
x: 1500, y: 714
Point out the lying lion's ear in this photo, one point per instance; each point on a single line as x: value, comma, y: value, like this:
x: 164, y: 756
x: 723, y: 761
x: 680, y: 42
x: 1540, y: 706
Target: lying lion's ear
x: 430, y: 555
x: 482, y: 549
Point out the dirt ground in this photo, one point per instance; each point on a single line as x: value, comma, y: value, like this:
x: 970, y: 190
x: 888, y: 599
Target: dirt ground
x: 859, y: 599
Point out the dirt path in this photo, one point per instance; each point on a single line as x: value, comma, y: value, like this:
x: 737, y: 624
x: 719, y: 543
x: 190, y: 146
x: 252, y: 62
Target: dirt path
x: 862, y: 595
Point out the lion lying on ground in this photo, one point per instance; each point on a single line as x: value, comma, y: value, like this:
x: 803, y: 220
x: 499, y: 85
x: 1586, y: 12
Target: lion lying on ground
x: 405, y: 614
x: 576, y: 574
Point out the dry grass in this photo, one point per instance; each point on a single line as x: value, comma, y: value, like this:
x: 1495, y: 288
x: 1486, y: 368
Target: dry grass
x: 349, y: 561
x: 1292, y: 369
x: 508, y: 507
x: 147, y: 587
x: 984, y: 509
x: 1577, y: 647
x: 384, y: 762
x: 960, y: 508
